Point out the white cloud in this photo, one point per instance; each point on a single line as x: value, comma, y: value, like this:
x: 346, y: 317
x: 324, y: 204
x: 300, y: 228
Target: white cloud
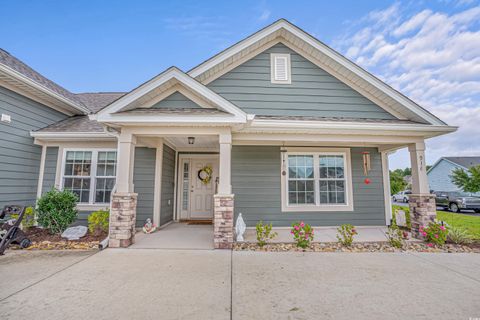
x: 433, y: 58
x: 265, y: 15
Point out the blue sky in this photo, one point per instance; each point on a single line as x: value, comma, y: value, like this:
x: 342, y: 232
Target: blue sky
x: 429, y: 50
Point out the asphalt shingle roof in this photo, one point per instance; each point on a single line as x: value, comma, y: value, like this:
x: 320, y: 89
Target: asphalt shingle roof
x: 466, y: 162
x: 12, y: 62
x: 74, y: 124
x: 95, y: 101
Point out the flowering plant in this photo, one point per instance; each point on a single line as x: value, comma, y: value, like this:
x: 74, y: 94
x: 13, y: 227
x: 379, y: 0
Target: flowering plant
x: 435, y: 233
x: 302, y: 234
x: 264, y: 233
x: 345, y: 234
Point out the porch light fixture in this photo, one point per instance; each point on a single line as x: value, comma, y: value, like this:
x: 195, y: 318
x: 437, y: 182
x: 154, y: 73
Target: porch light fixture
x: 191, y: 140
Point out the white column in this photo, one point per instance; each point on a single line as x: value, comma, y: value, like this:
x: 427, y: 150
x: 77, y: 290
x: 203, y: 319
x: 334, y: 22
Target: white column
x: 157, y: 197
x: 41, y: 171
x: 125, y: 162
x: 225, y: 184
x: 386, y: 187
x: 419, y: 171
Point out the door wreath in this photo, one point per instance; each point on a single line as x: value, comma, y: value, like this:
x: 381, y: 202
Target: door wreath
x: 205, y: 174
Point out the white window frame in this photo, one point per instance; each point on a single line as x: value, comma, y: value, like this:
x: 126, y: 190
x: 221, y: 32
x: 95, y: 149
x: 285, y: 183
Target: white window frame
x: 288, y: 70
x: 93, y: 174
x: 317, y: 207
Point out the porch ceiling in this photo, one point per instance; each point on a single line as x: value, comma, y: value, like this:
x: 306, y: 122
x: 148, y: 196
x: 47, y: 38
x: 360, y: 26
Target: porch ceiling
x: 204, y: 142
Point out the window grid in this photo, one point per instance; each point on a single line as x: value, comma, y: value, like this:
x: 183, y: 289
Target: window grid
x: 329, y: 180
x: 90, y: 174
x: 105, y: 175
x: 185, y: 186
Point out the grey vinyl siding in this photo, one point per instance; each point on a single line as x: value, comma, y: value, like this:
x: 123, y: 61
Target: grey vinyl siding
x: 256, y: 183
x: 144, y: 182
x: 439, y: 176
x: 168, y: 185
x: 176, y: 100
x: 19, y: 157
x: 313, y: 91
x: 50, y: 170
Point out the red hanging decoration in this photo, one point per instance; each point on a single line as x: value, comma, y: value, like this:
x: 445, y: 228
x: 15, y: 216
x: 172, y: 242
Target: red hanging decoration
x: 367, y: 181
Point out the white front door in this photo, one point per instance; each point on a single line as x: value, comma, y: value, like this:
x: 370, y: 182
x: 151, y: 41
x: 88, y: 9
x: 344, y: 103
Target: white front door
x: 201, y: 193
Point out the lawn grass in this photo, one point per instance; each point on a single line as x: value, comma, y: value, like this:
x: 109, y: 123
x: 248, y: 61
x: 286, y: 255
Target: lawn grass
x: 469, y: 223
x: 463, y: 221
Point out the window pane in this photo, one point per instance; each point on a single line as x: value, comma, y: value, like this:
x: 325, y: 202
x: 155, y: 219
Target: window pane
x: 107, y: 163
x: 79, y: 186
x: 103, y: 189
x: 292, y: 198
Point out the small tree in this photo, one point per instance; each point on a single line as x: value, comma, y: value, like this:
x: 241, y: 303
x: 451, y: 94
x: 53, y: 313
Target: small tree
x: 57, y: 210
x: 468, y: 181
x: 397, y: 183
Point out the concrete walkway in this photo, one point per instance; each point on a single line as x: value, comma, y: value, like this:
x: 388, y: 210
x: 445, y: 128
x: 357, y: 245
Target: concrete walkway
x: 176, y: 236
x: 209, y: 284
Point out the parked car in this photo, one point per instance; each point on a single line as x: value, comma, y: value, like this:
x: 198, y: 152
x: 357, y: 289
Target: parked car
x: 402, y: 196
x: 456, y: 201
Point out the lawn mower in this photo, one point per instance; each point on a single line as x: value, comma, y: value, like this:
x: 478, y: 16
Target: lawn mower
x: 10, y: 228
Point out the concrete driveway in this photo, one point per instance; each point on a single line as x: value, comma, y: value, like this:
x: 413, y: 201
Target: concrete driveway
x: 207, y: 284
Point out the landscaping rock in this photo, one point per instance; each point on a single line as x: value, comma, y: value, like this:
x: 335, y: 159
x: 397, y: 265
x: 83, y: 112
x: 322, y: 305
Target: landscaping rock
x: 75, y: 233
x: 357, y: 247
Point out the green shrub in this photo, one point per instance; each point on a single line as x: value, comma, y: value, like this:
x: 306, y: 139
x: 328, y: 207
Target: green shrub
x: 264, y: 233
x: 459, y: 236
x: 28, y: 217
x: 98, y: 221
x: 345, y: 234
x: 57, y: 210
x: 395, y: 236
x: 302, y: 234
x: 435, y: 233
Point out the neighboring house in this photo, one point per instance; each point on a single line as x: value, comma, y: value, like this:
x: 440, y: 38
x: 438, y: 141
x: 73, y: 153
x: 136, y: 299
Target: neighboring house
x: 439, y: 174
x: 279, y: 127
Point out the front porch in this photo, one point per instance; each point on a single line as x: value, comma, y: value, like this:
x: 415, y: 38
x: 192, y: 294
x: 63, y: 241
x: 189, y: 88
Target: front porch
x: 178, y: 194
x: 176, y: 236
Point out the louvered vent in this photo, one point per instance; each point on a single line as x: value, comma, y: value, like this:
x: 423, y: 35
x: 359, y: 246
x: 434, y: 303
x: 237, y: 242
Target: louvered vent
x: 280, y: 64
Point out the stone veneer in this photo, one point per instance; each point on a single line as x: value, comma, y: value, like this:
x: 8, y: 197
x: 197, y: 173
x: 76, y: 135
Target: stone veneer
x: 122, y: 220
x: 223, y: 222
x: 423, y: 210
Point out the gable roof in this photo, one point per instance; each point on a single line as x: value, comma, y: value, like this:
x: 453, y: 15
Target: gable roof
x: 16, y: 75
x: 322, y: 55
x: 465, y: 162
x: 168, y: 79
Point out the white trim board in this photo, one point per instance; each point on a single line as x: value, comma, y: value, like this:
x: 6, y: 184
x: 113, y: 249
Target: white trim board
x: 172, y: 73
x: 318, y: 207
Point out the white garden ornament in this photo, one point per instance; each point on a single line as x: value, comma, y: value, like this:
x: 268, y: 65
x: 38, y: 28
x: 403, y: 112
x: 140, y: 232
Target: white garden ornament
x: 240, y: 228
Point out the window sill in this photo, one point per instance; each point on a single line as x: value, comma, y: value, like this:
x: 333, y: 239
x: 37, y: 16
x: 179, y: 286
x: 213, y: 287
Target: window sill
x: 92, y: 207
x: 325, y: 208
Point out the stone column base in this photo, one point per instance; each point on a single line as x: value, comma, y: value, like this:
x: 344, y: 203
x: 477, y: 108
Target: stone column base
x: 423, y: 210
x: 123, y: 214
x: 223, y: 221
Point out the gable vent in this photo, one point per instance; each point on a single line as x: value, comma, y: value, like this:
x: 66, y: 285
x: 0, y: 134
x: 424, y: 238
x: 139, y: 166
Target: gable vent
x: 280, y: 65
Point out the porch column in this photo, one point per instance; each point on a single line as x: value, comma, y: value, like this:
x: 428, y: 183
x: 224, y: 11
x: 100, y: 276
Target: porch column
x: 421, y: 202
x: 123, y: 205
x: 224, y: 199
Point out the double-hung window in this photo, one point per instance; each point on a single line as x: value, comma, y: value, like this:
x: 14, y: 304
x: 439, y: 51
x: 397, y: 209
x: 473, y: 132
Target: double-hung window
x: 90, y: 174
x: 316, y: 180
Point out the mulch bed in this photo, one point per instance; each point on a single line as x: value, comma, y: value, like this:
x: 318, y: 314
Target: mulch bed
x: 358, y: 247
x: 43, y: 240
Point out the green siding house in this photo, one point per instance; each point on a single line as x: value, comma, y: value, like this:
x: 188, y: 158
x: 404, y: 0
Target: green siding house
x: 278, y: 127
